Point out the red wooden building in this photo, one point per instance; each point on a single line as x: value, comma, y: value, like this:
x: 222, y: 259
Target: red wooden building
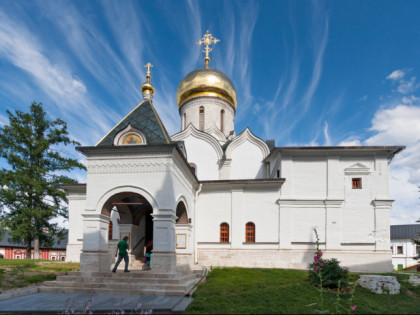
x: 10, y: 250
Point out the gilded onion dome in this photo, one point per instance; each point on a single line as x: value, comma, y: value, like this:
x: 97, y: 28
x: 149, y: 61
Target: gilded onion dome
x: 206, y: 82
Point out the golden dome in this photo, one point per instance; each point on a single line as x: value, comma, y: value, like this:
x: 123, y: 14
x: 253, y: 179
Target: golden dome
x: 147, y: 87
x: 206, y: 82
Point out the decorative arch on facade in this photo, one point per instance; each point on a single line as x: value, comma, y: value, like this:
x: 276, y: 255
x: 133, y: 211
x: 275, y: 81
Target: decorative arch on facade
x: 130, y: 136
x: 214, y: 131
x: 224, y: 232
x: 250, y: 232
x: 192, y: 131
x: 129, y: 190
x: 247, y: 135
x: 181, y: 213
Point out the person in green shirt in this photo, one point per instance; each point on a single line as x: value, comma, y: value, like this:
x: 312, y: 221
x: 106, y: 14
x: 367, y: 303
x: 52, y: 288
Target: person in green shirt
x: 122, y: 254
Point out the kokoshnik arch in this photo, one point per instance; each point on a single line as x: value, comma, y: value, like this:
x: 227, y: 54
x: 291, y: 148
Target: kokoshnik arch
x: 210, y: 196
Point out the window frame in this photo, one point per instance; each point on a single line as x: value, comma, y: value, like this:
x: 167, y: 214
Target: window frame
x: 250, y: 232
x: 224, y: 233
x: 356, y: 183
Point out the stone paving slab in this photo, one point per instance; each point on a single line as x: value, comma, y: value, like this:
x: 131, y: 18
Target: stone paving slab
x: 53, y: 303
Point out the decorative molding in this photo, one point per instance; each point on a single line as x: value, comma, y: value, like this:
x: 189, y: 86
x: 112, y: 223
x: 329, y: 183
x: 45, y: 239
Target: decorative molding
x: 382, y: 203
x: 247, y: 135
x: 357, y: 244
x: 357, y: 169
x: 129, y: 165
x: 207, y: 100
x: 336, y: 203
x: 213, y: 243
x: 216, y: 133
x: 194, y: 132
x: 307, y: 243
x: 260, y: 243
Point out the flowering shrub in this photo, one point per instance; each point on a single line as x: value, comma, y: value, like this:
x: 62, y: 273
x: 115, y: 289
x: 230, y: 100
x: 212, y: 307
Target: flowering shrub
x: 330, y: 271
x: 327, y: 272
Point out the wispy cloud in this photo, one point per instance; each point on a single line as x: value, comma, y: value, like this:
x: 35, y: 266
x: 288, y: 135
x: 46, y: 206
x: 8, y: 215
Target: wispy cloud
x: 327, y: 139
x: 396, y: 75
x: 22, y: 49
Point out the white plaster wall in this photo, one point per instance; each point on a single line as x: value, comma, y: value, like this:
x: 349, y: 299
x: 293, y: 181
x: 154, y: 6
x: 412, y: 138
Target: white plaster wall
x: 237, y: 208
x: 309, y: 177
x: 212, y: 107
x: 304, y: 221
x: 213, y: 208
x: 260, y: 208
x: 204, y: 156
x: 76, y: 206
x: 247, y: 162
x: 3, y: 251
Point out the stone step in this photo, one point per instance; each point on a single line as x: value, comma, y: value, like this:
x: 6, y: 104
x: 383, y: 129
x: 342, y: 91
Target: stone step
x: 122, y: 285
x: 144, y: 291
x: 116, y: 278
x: 132, y: 274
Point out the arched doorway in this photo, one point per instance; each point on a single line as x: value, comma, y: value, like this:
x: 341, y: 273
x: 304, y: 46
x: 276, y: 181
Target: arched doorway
x: 135, y: 220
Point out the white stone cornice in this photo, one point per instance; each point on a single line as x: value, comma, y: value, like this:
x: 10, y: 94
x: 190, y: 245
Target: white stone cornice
x: 317, y: 203
x: 383, y: 203
x: 247, y: 135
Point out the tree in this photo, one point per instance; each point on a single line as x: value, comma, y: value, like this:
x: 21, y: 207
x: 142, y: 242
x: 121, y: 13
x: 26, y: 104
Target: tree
x: 29, y: 189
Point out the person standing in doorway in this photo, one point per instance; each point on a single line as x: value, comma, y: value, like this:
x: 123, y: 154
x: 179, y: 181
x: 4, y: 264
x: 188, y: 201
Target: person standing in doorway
x: 122, y: 254
x: 148, y: 252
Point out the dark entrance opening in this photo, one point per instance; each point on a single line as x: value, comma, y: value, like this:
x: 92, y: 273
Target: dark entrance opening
x: 135, y: 210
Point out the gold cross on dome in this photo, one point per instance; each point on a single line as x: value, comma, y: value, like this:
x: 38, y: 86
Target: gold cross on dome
x: 207, y: 40
x: 148, y: 66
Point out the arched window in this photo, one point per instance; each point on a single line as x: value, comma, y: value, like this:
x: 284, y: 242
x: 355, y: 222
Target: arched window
x: 185, y: 121
x: 250, y: 232
x: 181, y: 213
x: 224, y: 233
x: 201, y: 118
x: 222, y: 120
x: 110, y: 230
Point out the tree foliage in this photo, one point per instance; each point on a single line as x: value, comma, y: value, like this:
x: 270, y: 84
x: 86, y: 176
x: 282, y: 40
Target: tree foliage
x: 29, y: 192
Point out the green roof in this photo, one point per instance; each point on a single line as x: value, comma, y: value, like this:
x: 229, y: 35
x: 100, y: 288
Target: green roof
x: 143, y: 118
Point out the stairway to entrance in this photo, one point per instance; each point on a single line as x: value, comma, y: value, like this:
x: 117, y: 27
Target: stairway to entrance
x: 136, y: 282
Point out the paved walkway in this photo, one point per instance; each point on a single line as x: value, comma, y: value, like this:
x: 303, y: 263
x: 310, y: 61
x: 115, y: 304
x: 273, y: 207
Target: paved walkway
x: 61, y: 303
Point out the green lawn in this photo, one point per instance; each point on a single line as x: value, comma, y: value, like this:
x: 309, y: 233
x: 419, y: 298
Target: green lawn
x: 240, y: 290
x: 16, y: 273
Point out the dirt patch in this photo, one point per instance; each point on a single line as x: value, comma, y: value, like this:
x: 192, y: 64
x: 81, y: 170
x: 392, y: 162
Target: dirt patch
x: 410, y: 293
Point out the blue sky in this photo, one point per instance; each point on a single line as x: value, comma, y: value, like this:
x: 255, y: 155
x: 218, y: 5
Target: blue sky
x: 306, y: 73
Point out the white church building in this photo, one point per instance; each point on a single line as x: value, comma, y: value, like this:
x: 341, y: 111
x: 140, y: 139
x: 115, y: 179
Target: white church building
x: 212, y: 196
